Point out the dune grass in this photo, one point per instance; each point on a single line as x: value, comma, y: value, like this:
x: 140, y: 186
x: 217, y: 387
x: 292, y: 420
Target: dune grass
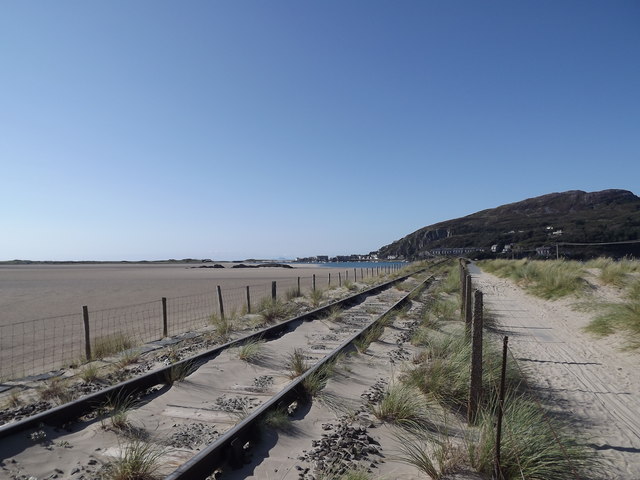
x: 57, y: 390
x: 90, y: 373
x: 138, y: 460
x: 108, y: 345
x: 297, y: 363
x: 271, y: 310
x: 624, y: 317
x: 222, y: 326
x: 403, y: 405
x: 533, y: 445
x: 277, y: 419
x: 363, y: 343
x: 316, y: 296
x: 251, y: 351
x: 179, y: 371
x: 546, y: 279
x: 433, y: 453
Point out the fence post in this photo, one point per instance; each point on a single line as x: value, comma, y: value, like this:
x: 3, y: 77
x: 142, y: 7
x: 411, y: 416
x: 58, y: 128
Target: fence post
x: 468, y: 311
x: 497, y: 468
x: 463, y: 293
x: 165, y: 326
x: 361, y: 274
x: 220, y: 302
x: 248, y: 300
x: 87, y: 336
x: 314, y: 282
x: 273, y: 290
x: 475, y: 387
x: 298, y: 286
x: 339, y: 279
x: 329, y: 279
x: 355, y: 275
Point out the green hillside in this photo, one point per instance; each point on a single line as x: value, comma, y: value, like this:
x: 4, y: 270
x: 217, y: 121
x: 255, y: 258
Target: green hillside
x: 569, y: 217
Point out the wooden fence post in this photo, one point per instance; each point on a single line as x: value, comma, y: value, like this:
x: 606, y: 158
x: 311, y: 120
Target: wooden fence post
x: 497, y: 468
x: 463, y: 291
x: 468, y: 310
x: 314, y: 282
x: 329, y: 279
x: 273, y: 290
x: 339, y: 279
x: 165, y: 326
x: 475, y: 387
x: 220, y: 302
x: 298, y: 286
x: 87, y: 335
x: 248, y: 300
x: 355, y: 275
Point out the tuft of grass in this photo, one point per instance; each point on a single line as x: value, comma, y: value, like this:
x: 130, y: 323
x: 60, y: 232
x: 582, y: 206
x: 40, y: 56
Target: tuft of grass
x: 444, y: 374
x: 128, y: 358
x: 633, y: 289
x: 619, y: 317
x: 316, y: 296
x: 108, y: 345
x: 614, y: 273
x: 277, y: 419
x: 431, y: 453
x: 138, y: 460
x: 223, y: 327
x: 533, y: 446
x: 548, y: 279
x: 402, y: 405
x: 179, y: 371
x: 90, y: 373
x: 292, y: 293
x: 363, y: 343
x: 119, y: 406
x: 272, y: 310
x: 57, y: 390
x: 296, y: 363
x: 335, y: 314
x: 251, y: 351
x: 349, y: 285
x: 315, y: 382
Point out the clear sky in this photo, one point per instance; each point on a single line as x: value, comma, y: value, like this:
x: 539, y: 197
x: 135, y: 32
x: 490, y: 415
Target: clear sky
x: 154, y: 129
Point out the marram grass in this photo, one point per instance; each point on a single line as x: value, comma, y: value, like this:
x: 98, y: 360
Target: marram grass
x: 533, y: 446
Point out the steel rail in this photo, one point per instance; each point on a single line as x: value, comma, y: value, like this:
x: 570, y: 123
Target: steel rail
x: 63, y: 414
x: 229, y: 448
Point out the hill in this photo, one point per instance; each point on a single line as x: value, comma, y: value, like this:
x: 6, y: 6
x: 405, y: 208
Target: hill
x: 522, y: 227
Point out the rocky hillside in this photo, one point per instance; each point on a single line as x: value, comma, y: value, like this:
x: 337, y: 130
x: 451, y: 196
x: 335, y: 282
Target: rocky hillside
x: 522, y: 227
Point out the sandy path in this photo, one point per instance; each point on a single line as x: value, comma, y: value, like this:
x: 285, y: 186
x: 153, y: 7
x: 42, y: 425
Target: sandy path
x: 589, y: 381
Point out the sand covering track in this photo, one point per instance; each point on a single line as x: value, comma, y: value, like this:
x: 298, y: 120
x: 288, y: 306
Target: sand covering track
x: 591, y: 381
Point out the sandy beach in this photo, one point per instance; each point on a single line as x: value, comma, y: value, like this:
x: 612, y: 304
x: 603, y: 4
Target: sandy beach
x: 29, y: 292
x: 41, y: 319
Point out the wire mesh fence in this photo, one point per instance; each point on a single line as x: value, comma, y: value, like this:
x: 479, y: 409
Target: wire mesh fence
x: 38, y: 346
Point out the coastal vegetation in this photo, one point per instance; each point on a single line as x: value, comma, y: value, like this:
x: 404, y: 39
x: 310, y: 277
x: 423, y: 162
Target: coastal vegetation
x: 553, y: 279
x: 538, y: 445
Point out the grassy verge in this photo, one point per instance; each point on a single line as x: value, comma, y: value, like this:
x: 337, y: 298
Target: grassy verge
x: 619, y: 317
x: 535, y: 445
x: 546, y: 279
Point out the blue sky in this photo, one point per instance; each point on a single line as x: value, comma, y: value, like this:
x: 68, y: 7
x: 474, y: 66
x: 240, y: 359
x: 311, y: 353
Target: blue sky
x: 235, y: 129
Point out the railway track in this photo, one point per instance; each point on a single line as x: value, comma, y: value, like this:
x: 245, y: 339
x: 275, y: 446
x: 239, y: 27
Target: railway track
x: 225, y: 397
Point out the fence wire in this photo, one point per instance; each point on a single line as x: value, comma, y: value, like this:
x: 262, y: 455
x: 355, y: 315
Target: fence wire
x: 39, y: 346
